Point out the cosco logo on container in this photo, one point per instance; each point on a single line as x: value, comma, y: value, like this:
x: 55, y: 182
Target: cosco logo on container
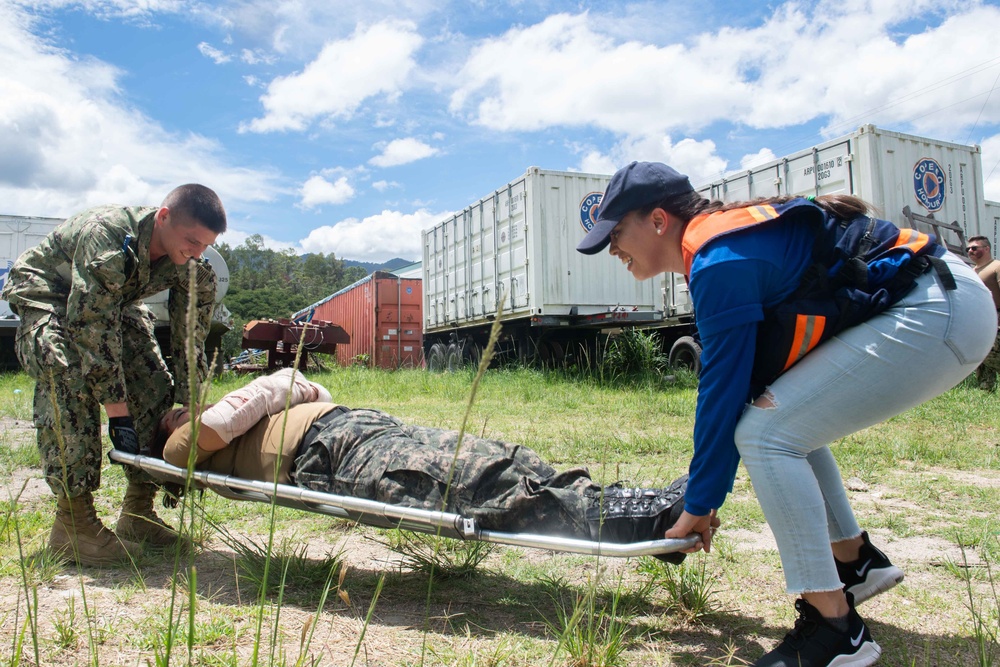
x: 928, y: 184
x: 589, y: 208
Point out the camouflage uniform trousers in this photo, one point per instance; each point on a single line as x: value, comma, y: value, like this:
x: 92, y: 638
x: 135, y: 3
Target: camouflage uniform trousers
x: 67, y: 416
x: 503, y: 486
x: 986, y: 374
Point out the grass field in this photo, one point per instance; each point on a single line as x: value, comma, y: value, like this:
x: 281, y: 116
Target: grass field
x: 926, y: 485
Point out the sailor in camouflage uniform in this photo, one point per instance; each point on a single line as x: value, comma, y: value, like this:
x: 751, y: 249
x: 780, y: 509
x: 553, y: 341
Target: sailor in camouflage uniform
x: 369, y: 454
x: 87, y: 340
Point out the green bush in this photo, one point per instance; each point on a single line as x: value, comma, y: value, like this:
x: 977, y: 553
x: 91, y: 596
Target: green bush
x: 633, y: 354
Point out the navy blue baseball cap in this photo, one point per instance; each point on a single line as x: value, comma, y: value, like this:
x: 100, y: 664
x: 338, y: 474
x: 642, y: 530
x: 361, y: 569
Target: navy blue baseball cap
x: 635, y: 186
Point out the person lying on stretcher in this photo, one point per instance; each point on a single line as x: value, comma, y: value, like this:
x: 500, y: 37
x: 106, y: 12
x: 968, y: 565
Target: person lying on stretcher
x: 316, y: 444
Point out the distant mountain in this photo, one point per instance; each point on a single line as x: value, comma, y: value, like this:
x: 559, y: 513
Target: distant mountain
x: 391, y: 265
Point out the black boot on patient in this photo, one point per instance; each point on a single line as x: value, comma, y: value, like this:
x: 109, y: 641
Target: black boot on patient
x: 623, y: 515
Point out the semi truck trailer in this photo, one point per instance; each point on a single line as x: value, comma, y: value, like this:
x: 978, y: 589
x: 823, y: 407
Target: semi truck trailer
x: 515, y: 249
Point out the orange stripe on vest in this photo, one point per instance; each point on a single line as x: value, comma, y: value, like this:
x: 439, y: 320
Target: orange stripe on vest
x: 808, y: 331
x: 911, y: 239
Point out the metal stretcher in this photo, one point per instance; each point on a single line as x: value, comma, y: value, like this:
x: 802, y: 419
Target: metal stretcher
x: 383, y: 515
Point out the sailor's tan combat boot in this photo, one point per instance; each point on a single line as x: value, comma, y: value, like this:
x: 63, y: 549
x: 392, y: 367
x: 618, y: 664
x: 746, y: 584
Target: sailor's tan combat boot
x: 138, y: 522
x: 78, y: 535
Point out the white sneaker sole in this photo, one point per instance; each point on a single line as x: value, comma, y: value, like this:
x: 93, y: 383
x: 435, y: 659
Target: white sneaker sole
x: 878, y: 581
x: 867, y: 654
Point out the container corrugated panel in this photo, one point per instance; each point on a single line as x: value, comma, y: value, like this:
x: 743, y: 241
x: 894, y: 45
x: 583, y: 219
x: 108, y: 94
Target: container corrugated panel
x: 520, y: 242
x: 17, y: 234
x: 382, y: 314
x: 990, y: 227
x: 398, y: 335
x: 890, y: 170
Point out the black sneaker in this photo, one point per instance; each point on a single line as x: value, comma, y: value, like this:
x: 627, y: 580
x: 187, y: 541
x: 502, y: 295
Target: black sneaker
x: 623, y: 515
x: 870, y: 574
x: 813, y: 642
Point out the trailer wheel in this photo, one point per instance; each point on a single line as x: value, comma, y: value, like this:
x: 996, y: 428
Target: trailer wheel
x: 686, y: 353
x: 578, y: 353
x: 436, y: 358
x: 557, y: 354
x: 472, y: 354
x: 453, y: 359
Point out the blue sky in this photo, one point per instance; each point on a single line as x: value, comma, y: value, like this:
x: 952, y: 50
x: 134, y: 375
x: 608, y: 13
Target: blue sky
x: 347, y: 127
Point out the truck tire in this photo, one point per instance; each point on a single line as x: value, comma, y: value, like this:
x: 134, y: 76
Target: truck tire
x: 472, y: 354
x: 436, y: 358
x: 557, y: 354
x: 686, y: 353
x: 453, y: 360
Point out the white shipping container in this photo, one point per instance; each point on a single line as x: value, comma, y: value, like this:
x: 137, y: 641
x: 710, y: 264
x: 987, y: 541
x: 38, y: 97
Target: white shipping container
x: 990, y: 226
x: 17, y: 234
x: 521, y: 241
x: 889, y: 170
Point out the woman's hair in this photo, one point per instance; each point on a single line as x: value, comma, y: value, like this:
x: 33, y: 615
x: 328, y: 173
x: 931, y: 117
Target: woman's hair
x: 690, y: 204
x: 684, y: 206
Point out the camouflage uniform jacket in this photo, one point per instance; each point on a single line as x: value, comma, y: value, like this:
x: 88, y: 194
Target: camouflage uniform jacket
x: 90, y: 272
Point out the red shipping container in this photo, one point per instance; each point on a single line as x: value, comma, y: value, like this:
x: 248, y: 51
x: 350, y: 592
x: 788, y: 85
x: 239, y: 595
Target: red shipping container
x: 383, y: 315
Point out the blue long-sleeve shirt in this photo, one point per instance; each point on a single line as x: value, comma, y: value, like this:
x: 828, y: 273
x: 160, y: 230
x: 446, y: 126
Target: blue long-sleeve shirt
x: 733, y: 279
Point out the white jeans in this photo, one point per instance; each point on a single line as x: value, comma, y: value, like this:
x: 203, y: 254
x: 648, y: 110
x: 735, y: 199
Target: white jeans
x: 925, y: 344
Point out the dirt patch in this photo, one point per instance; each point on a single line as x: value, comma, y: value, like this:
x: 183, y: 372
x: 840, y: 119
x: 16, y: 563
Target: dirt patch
x: 25, y: 485
x: 17, y: 432
x: 980, y: 478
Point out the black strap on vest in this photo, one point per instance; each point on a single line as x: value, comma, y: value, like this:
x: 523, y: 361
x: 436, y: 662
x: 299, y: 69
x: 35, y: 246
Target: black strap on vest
x: 944, y: 273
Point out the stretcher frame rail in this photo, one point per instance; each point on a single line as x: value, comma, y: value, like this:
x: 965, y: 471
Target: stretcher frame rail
x: 384, y: 515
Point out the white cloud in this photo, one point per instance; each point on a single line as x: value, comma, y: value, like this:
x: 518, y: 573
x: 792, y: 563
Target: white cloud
x: 847, y: 64
x: 382, y: 186
x: 402, y: 151
x: 256, y: 57
x: 209, y: 51
x: 991, y: 167
x: 754, y: 159
x: 235, y: 237
x: 697, y: 159
x: 136, y: 11
x: 318, y: 191
x: 596, y: 162
x: 374, y: 61
x: 296, y: 31
x: 68, y: 139
x: 579, y: 77
x: 375, y: 238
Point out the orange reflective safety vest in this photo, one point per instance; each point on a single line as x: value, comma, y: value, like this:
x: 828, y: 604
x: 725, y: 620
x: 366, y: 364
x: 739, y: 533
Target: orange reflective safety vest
x: 860, y: 267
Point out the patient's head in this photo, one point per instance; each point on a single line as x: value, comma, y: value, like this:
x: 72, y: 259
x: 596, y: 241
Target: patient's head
x: 169, y: 422
x: 172, y: 419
